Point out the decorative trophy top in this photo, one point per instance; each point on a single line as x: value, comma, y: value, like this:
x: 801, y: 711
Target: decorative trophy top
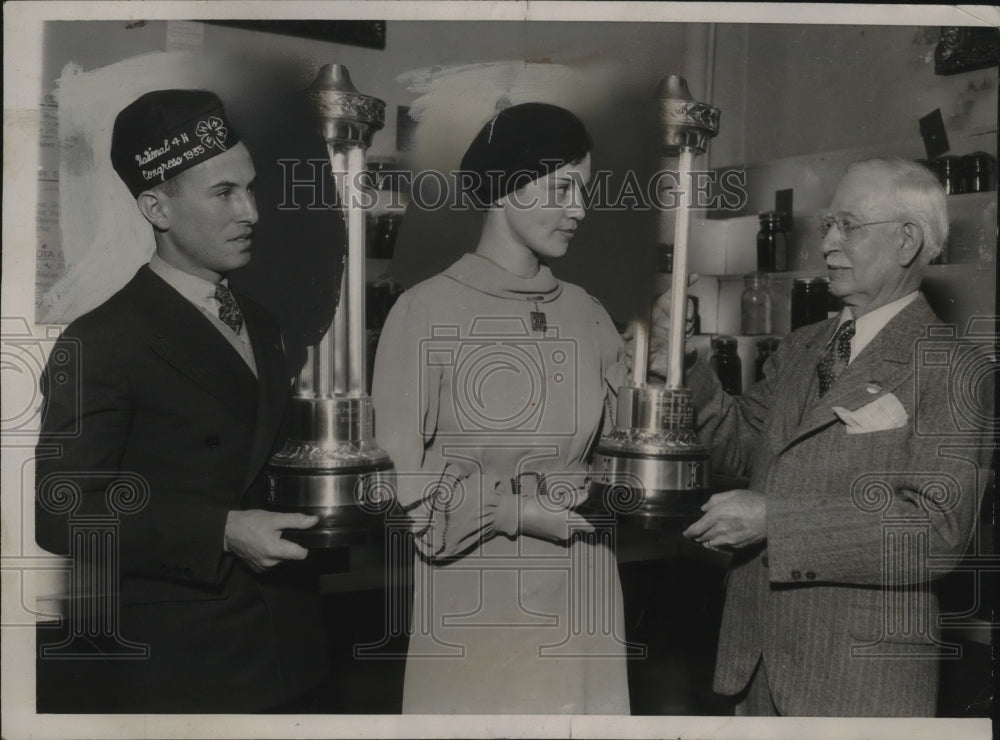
x: 347, y: 117
x: 687, y: 124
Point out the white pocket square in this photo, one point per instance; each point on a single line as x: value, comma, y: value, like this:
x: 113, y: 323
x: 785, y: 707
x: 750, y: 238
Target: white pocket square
x: 885, y: 412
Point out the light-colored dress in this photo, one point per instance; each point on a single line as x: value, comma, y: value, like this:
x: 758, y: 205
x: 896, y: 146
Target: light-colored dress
x: 470, y: 393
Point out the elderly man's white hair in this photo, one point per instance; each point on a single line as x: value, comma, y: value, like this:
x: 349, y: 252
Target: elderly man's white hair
x: 917, y: 196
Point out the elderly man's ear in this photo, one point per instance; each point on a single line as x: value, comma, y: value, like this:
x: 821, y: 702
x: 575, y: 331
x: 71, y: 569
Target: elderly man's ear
x: 912, y: 243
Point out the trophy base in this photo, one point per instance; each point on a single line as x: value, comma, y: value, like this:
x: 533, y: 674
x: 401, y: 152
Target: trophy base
x: 642, y: 508
x: 325, y: 537
x: 350, y: 503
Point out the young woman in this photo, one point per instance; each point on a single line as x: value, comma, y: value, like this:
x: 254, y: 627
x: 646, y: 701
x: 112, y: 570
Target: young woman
x: 492, y: 381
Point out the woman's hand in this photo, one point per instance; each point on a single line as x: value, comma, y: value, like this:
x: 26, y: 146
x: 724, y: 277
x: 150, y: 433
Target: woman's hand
x: 548, y: 521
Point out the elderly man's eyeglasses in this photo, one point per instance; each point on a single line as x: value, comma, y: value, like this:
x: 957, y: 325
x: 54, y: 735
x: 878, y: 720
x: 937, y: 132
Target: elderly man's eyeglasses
x: 845, y: 226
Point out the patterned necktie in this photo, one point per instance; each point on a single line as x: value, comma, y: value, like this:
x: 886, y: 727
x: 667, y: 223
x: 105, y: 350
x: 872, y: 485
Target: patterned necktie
x: 229, y: 312
x: 838, y: 354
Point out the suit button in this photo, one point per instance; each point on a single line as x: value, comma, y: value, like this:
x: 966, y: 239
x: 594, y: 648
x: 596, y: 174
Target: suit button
x: 810, y: 575
x: 212, y: 441
x: 764, y: 561
x: 796, y: 575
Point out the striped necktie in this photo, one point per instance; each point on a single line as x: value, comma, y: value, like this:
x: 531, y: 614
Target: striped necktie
x: 229, y: 312
x: 838, y: 355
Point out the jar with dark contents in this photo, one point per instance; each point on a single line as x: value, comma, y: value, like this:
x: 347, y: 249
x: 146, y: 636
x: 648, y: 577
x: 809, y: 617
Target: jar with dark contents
x: 810, y: 301
x: 385, y: 182
x: 772, y: 242
x: 726, y: 364
x: 977, y: 172
x: 765, y: 348
x: 383, y: 238
x: 949, y: 173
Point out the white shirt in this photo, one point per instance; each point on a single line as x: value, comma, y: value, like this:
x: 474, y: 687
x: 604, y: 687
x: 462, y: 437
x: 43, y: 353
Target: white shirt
x: 867, y: 327
x: 201, y: 294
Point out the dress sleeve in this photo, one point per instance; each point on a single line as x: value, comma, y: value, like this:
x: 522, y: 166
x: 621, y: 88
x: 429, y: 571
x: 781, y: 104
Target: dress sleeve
x: 613, y: 363
x: 450, y: 508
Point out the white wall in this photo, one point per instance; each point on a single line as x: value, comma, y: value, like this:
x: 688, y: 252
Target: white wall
x: 793, y: 90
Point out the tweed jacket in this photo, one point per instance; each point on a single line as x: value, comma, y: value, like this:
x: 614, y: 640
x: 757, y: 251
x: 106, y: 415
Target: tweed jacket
x: 871, y: 492
x: 156, y: 398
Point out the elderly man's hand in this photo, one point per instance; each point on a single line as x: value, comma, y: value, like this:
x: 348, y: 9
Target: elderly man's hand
x: 659, y: 335
x: 734, y: 518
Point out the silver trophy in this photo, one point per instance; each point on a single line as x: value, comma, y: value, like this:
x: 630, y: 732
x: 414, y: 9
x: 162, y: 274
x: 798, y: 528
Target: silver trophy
x: 331, y: 465
x: 651, y: 465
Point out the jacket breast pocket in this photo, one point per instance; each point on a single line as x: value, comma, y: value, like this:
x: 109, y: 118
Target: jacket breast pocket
x: 883, y: 414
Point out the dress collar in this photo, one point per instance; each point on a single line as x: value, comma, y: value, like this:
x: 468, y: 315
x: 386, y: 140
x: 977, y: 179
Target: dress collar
x: 488, y: 277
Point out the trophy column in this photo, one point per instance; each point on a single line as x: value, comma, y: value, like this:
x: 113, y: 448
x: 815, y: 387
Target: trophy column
x: 650, y: 465
x: 331, y: 465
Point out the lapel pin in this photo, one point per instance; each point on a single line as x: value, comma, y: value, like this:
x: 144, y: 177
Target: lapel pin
x: 873, y: 388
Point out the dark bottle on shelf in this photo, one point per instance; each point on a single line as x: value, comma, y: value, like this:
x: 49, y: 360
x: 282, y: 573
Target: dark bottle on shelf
x: 765, y: 348
x: 726, y: 364
x: 977, y: 172
x: 948, y: 169
x: 810, y: 300
x: 772, y: 242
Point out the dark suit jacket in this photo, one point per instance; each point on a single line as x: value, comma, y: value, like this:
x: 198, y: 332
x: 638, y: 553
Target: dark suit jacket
x: 155, y: 398
x: 860, y: 518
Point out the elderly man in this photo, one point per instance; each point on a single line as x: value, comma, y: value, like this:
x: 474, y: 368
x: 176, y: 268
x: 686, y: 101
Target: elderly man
x: 830, y: 608
x: 167, y: 419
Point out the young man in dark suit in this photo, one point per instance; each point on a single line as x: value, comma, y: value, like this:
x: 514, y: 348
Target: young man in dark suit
x: 167, y: 418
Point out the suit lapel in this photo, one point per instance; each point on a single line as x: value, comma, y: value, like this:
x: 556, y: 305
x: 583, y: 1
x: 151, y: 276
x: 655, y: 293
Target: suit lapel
x: 885, y: 363
x: 272, y: 374
x: 186, y: 340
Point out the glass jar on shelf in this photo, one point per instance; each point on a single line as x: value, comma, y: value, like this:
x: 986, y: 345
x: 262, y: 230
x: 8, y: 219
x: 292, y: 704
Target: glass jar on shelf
x: 765, y: 348
x: 755, y: 305
x: 772, y: 242
x: 948, y: 169
x: 726, y: 364
x: 810, y: 300
x: 386, y: 183
x: 977, y: 171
